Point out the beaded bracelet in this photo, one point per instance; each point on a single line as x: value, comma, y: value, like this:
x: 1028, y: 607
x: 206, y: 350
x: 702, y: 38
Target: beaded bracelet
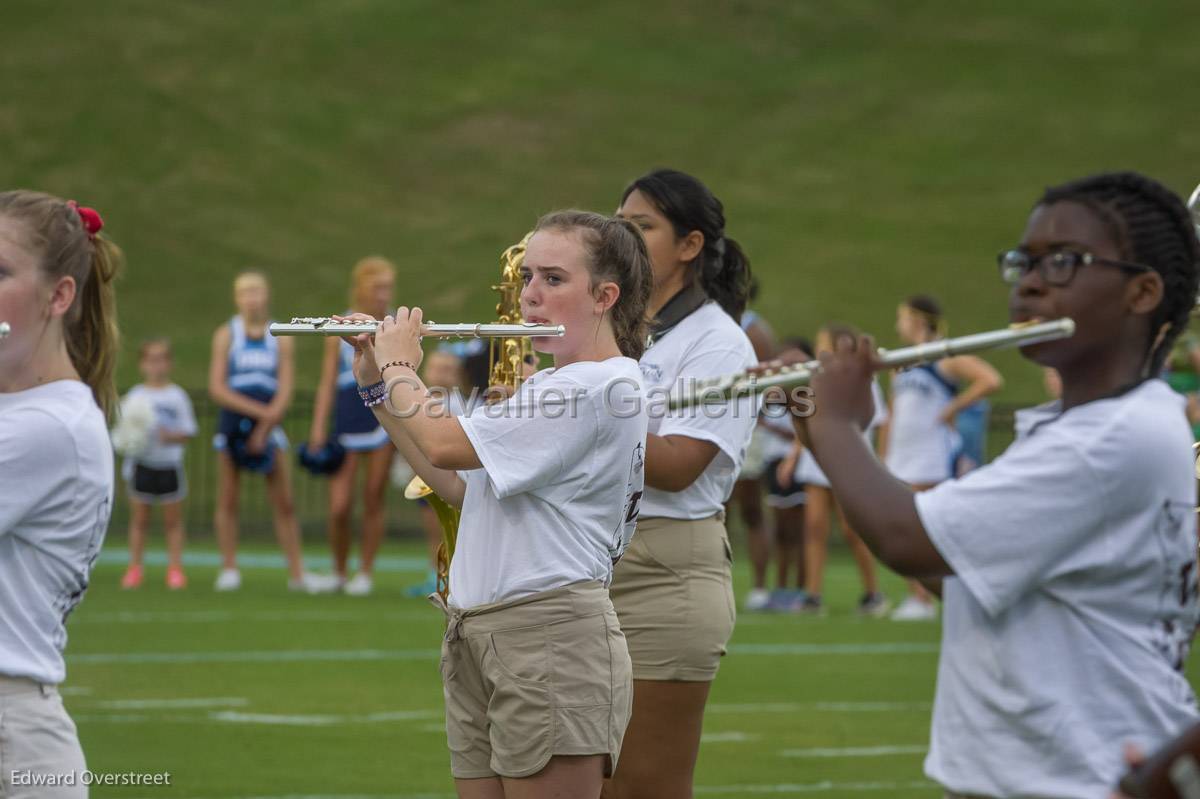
x: 373, y: 394
x: 384, y: 368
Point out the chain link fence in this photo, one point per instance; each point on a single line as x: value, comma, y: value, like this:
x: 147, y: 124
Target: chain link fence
x: 311, y: 493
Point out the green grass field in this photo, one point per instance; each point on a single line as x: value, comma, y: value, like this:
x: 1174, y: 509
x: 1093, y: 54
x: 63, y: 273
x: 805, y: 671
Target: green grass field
x: 865, y: 150
x: 268, y: 694
x: 265, y: 693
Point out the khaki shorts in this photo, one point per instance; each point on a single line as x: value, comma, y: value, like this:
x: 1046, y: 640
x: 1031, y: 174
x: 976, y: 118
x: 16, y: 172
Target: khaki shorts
x: 540, y: 676
x: 38, y: 739
x: 673, y: 591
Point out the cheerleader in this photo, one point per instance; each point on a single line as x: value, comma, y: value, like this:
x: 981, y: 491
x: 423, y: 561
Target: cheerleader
x: 250, y: 377
x: 1069, y: 562
x: 356, y: 433
x: 56, y: 468
x: 922, y: 441
x: 673, y: 590
x: 786, y: 496
x: 155, y: 476
x: 820, y: 507
x: 535, y: 668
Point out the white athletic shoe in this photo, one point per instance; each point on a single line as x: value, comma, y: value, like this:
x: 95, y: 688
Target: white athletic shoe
x: 360, y: 584
x: 228, y: 580
x: 913, y: 609
x: 313, y: 583
x: 757, y: 599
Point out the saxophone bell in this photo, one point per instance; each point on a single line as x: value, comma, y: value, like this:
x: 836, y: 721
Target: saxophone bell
x: 509, y: 352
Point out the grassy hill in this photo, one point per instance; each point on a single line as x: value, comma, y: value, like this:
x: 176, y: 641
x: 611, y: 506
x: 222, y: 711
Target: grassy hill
x: 864, y: 150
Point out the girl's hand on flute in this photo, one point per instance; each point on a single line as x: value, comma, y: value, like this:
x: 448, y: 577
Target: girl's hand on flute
x: 366, y: 371
x: 399, y: 338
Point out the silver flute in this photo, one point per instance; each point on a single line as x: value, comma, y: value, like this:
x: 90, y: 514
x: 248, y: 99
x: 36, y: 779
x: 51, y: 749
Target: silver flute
x: 723, y: 389
x: 326, y: 326
x: 5, y: 329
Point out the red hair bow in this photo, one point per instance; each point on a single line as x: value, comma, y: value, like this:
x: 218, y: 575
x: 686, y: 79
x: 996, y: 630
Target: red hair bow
x: 90, y: 218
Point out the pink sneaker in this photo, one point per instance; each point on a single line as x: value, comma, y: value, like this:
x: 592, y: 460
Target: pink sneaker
x: 132, y: 578
x: 176, y: 579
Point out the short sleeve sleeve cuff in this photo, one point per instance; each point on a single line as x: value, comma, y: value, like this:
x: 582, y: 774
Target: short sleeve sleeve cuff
x: 941, y: 514
x: 501, y: 483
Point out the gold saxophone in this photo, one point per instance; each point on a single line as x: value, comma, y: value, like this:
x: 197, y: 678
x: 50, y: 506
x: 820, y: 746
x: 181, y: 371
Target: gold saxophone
x: 506, y: 363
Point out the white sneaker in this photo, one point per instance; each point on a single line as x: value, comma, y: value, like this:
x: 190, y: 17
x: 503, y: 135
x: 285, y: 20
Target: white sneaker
x: 228, y: 580
x: 913, y: 609
x: 360, y: 584
x: 757, y: 599
x: 313, y: 583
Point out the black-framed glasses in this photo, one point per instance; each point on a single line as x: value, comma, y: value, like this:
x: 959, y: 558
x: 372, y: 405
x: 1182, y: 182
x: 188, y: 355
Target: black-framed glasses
x: 1056, y: 267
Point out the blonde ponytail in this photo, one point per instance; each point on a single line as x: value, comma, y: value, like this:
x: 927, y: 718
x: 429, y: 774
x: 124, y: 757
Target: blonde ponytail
x: 92, y: 337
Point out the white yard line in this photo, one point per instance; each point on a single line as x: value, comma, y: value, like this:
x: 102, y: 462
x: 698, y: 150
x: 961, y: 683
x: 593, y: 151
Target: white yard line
x: 323, y: 720
x: 267, y: 719
x: 776, y: 789
x: 268, y: 656
x: 343, y: 655
x: 370, y: 615
x: 894, y: 648
x: 172, y: 704
x: 789, y: 789
x: 119, y: 556
x: 730, y: 737
x: 855, y: 751
x: 74, y: 690
x: 751, y: 708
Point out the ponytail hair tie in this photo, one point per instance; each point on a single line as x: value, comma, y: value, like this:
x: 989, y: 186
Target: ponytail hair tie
x: 90, y: 217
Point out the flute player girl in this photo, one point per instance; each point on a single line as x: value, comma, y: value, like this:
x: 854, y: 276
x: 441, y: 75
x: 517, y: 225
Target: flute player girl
x: 1068, y: 564
x: 535, y: 669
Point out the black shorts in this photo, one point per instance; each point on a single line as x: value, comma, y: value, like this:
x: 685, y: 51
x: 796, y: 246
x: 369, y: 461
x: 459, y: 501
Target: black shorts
x: 777, y: 496
x: 154, y: 485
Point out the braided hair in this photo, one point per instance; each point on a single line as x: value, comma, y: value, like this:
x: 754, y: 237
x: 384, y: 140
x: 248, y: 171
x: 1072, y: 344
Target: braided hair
x: 1151, y: 226
x: 722, y: 268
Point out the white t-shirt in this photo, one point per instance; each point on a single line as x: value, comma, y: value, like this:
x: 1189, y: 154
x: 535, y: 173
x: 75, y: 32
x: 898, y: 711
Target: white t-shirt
x: 557, y: 498
x: 1073, y: 602
x: 56, y: 489
x: 172, y: 414
x: 808, y: 471
x: 706, y: 343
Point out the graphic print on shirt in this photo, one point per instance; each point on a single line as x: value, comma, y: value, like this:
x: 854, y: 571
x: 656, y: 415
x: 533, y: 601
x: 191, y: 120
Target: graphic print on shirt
x: 633, y: 500
x: 254, y: 360
x: 1176, y: 625
x: 69, y: 599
